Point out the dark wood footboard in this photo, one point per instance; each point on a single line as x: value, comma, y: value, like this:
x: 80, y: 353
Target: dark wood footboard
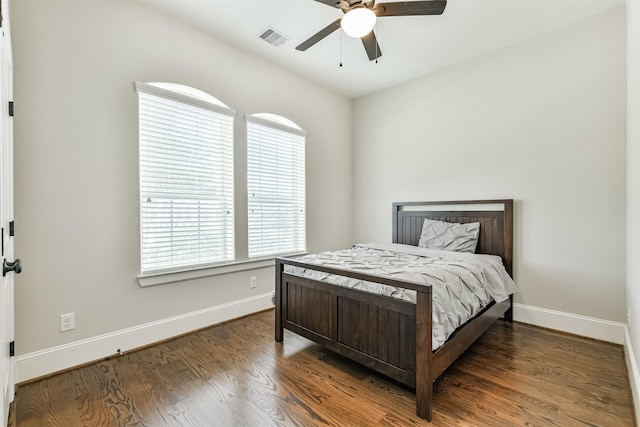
x: 376, y: 331
x: 390, y: 336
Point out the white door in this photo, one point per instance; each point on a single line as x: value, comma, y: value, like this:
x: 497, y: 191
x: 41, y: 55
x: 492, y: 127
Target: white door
x: 6, y: 217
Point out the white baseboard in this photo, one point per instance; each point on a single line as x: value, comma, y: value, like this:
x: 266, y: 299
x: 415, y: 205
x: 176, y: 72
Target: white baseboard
x: 44, y: 362
x: 632, y: 370
x: 590, y: 327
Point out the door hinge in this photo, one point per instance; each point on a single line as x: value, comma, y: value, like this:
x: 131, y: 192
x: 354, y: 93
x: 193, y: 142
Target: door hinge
x: 10, y: 108
x: 12, y: 348
x: 12, y: 230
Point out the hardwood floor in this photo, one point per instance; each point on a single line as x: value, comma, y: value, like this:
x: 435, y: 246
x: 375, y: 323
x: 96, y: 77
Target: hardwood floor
x: 236, y: 375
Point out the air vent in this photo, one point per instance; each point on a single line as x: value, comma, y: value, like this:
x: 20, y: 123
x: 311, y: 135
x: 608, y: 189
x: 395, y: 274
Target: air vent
x: 273, y: 37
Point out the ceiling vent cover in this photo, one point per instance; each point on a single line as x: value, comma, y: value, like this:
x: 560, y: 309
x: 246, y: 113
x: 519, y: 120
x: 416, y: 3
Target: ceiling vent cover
x: 273, y: 37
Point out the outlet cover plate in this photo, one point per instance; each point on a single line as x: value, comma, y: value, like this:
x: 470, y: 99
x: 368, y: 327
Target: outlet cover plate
x: 67, y: 322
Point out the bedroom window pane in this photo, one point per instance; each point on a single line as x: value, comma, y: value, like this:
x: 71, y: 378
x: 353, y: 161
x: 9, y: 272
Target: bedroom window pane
x: 186, y: 179
x: 275, y: 185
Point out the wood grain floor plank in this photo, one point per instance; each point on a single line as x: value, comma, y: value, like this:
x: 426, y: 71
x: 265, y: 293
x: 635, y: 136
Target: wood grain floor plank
x: 103, y: 399
x: 159, y: 392
x: 53, y: 402
x: 234, y: 374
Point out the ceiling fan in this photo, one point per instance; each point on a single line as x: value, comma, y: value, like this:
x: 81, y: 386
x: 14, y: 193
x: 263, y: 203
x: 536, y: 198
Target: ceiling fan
x: 360, y: 17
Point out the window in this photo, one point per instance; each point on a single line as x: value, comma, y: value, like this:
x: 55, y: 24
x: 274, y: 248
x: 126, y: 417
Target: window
x: 275, y: 185
x: 186, y: 178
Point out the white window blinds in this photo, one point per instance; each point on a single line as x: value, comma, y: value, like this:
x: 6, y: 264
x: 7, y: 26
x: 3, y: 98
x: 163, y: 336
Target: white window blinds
x: 186, y: 180
x: 276, y: 187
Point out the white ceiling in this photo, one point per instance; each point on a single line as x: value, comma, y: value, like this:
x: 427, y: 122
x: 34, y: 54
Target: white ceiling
x: 412, y: 46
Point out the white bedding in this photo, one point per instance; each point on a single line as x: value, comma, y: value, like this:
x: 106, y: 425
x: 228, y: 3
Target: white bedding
x: 462, y: 283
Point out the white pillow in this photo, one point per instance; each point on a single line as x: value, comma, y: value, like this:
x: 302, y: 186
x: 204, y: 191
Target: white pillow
x: 449, y: 236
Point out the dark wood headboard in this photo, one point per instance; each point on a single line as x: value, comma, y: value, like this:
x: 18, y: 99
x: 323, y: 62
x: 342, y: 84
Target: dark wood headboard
x: 495, y: 218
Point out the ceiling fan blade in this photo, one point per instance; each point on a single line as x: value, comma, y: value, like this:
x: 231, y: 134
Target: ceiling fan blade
x: 319, y: 35
x: 371, y: 46
x: 332, y: 3
x: 407, y: 8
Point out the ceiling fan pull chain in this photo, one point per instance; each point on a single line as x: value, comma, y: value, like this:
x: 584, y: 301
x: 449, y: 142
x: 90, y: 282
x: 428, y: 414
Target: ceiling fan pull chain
x: 341, y: 47
x: 377, y: 46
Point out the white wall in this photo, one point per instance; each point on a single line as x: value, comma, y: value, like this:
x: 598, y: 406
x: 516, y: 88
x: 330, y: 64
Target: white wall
x: 542, y: 122
x: 76, y: 161
x: 633, y: 196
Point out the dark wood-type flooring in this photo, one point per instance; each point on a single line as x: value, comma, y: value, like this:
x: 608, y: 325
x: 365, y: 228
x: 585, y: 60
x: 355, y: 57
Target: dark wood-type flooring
x: 234, y: 374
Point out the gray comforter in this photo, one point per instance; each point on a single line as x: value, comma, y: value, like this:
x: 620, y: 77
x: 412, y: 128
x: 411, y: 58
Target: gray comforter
x: 462, y: 283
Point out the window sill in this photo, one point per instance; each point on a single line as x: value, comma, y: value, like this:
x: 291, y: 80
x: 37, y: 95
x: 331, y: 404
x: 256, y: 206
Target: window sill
x: 154, y: 279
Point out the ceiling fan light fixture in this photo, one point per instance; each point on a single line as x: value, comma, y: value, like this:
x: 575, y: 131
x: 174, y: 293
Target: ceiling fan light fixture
x: 358, y: 22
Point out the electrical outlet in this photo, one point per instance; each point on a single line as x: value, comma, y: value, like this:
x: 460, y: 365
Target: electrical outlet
x: 253, y: 283
x: 67, y: 322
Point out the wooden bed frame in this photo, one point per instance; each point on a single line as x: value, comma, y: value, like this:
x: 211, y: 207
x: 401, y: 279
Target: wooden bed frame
x: 391, y: 336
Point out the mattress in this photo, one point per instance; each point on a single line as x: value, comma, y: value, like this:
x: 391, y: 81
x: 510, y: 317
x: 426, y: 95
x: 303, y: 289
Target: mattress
x: 462, y: 283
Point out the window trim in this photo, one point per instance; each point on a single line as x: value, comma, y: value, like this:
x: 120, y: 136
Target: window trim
x: 180, y: 274
x: 154, y: 279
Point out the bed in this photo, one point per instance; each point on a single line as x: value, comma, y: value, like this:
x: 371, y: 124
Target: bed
x: 389, y: 335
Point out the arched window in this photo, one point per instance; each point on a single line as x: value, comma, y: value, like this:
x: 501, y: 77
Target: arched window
x: 275, y: 185
x: 186, y: 178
